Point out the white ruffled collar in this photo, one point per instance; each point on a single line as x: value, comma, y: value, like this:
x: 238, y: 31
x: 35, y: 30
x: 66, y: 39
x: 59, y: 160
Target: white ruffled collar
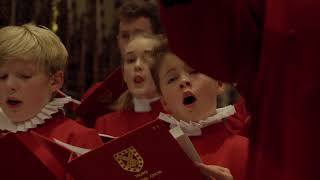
x: 143, y: 105
x: 45, y: 113
x: 194, y: 128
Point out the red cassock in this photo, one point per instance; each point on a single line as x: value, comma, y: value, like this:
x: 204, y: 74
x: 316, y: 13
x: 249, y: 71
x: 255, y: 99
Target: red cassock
x: 97, y: 99
x: 121, y: 122
x: 68, y: 131
x: 239, y: 122
x: 219, y: 146
x: 61, y: 128
x: 271, y: 49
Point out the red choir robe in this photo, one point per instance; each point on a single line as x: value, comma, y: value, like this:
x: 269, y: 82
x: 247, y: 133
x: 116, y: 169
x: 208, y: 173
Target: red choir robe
x: 217, y: 143
x: 68, y: 131
x: 31, y: 156
x: 121, y: 122
x: 239, y: 122
x: 271, y: 49
x: 114, y: 79
x: 219, y: 146
x: 97, y: 99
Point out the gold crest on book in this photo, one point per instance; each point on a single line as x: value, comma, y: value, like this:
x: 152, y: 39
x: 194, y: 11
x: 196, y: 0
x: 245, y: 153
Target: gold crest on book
x: 129, y: 159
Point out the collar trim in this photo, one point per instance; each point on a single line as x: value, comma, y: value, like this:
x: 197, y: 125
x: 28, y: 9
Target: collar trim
x: 45, y: 113
x: 194, y: 128
x: 143, y: 105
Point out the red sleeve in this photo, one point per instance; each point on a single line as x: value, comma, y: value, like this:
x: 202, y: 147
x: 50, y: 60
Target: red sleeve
x: 239, y: 122
x: 86, y: 138
x: 114, y: 124
x: 223, y: 43
x: 100, y: 124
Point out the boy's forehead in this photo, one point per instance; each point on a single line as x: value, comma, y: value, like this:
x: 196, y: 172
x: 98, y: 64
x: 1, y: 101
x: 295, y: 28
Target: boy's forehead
x: 139, y: 24
x: 21, y: 63
x: 141, y: 43
x: 170, y: 63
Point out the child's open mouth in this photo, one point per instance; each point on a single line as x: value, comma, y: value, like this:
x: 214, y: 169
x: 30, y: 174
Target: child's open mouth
x: 138, y: 79
x: 13, y: 103
x: 188, y: 98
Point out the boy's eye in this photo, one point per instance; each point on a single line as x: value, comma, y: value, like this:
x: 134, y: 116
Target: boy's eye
x: 148, y: 58
x: 3, y: 76
x: 130, y: 60
x: 24, y: 76
x: 172, y: 79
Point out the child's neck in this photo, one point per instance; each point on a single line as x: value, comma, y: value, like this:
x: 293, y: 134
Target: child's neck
x: 143, y: 105
x: 198, y: 116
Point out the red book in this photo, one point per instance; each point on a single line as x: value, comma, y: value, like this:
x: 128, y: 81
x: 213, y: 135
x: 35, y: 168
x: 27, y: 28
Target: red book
x: 149, y: 152
x: 96, y: 104
x: 31, y: 156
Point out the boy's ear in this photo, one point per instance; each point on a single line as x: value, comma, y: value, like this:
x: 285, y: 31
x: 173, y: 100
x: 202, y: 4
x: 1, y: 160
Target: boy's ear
x: 164, y: 104
x: 56, y: 81
x: 221, y: 87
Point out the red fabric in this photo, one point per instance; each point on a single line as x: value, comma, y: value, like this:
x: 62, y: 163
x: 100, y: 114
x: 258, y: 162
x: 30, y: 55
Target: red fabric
x: 239, y: 122
x: 58, y: 127
x: 30, y: 156
x: 271, y: 49
x: 158, y: 154
x: 121, y: 122
x: 96, y: 100
x: 68, y: 131
x: 90, y: 91
x: 218, y: 146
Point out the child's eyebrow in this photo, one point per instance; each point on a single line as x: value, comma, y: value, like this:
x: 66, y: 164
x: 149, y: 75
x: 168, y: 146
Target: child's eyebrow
x: 124, y: 31
x: 170, y: 71
x: 147, y: 51
x: 129, y: 53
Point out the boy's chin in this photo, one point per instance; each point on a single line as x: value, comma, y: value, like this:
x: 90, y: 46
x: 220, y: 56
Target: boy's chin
x: 17, y: 117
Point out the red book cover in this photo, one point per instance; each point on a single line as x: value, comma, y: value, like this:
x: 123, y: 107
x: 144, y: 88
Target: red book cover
x: 30, y: 156
x: 96, y: 104
x: 149, y: 152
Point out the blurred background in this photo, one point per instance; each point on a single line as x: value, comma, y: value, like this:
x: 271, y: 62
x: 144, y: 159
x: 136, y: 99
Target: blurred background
x: 85, y: 28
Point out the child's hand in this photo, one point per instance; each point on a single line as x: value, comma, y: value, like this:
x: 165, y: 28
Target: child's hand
x: 215, y: 172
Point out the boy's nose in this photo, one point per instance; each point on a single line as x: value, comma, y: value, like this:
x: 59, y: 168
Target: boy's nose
x: 11, y: 91
x: 12, y: 85
x: 138, y: 65
x: 185, y: 83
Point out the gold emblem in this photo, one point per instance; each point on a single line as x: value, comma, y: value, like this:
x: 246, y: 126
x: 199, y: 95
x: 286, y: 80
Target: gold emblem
x: 129, y: 159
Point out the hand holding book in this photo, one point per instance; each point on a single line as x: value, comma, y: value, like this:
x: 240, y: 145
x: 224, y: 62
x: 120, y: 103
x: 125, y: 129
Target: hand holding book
x: 216, y: 172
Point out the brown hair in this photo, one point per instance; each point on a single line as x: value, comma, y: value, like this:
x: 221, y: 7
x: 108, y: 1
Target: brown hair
x: 159, y: 54
x: 133, y: 9
x: 124, y: 102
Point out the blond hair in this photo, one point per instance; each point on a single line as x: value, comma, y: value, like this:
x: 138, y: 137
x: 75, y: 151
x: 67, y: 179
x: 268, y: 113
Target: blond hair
x: 34, y: 43
x: 125, y: 101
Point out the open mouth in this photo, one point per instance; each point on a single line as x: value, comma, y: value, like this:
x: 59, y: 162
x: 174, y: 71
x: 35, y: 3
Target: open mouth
x: 138, y: 79
x: 189, y: 100
x: 13, y: 102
